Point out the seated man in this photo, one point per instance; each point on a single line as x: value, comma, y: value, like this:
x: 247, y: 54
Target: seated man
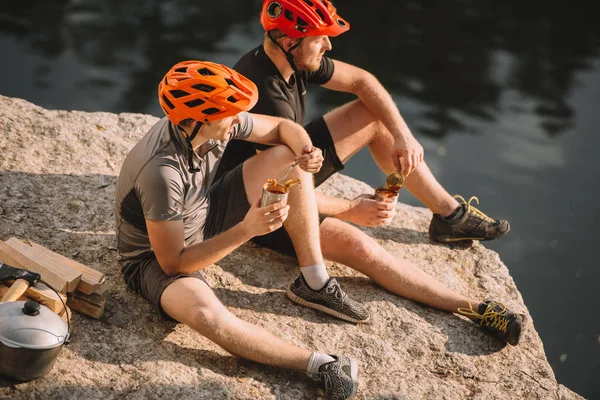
x: 291, y: 56
x: 174, y: 219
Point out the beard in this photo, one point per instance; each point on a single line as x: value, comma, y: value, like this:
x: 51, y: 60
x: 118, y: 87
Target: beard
x: 305, y: 64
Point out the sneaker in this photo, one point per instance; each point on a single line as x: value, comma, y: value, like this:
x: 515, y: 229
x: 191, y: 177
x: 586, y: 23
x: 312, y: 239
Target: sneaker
x: 472, y: 225
x: 339, y: 378
x: 494, y: 317
x: 330, y: 299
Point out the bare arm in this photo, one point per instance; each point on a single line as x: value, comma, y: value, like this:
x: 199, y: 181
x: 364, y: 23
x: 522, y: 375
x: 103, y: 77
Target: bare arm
x: 167, y: 239
x: 351, y: 79
x: 273, y: 130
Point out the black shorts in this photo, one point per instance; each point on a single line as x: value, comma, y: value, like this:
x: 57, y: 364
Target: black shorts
x: 319, y: 134
x: 321, y: 138
x: 228, y: 205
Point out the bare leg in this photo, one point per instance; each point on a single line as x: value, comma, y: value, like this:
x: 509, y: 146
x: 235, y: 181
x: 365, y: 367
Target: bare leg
x: 345, y: 244
x: 192, y: 302
x: 353, y: 127
x: 302, y: 223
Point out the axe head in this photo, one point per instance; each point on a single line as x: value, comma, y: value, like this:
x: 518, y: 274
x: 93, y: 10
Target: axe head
x: 10, y: 273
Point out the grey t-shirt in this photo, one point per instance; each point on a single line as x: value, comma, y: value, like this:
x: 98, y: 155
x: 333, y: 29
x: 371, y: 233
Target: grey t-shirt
x: 155, y: 184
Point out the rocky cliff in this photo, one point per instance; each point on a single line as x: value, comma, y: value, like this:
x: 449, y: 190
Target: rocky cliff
x: 57, y: 178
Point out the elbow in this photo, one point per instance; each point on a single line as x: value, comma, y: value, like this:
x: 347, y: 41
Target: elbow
x: 365, y: 83
x: 170, y: 269
x: 173, y: 266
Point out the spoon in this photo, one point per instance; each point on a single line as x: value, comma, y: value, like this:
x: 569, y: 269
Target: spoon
x: 288, y: 171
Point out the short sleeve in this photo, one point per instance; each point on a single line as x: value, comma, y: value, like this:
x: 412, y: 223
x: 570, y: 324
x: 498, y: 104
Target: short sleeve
x: 161, y: 191
x: 324, y: 73
x: 273, y: 101
x: 244, y: 128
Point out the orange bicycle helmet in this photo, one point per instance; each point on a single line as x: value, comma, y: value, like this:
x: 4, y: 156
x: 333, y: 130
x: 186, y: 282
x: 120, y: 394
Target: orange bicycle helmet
x: 204, y: 91
x: 301, y: 18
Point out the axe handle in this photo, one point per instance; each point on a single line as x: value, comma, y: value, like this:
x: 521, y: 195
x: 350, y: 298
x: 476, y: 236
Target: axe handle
x: 16, y: 290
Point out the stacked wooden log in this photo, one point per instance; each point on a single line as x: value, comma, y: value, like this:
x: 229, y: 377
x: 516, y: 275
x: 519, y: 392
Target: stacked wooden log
x: 79, y: 286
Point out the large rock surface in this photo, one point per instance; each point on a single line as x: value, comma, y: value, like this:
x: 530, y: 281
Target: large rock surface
x: 57, y: 181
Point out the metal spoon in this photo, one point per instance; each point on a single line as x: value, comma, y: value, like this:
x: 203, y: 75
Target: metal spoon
x: 288, y: 171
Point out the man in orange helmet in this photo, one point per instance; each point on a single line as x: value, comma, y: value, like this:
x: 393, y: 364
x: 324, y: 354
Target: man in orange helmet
x: 292, y: 55
x: 174, y: 219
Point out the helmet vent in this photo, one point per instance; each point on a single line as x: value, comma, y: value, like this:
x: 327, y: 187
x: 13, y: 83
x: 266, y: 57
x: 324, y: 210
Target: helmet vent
x: 325, y: 3
x: 288, y: 14
x: 274, y: 9
x: 321, y: 15
x: 205, y: 72
x: 310, y: 3
x: 203, y: 88
x: 211, y: 110
x: 231, y: 99
x: 341, y: 23
x: 179, y: 93
x: 167, y: 102
x: 194, y: 103
x: 301, y: 22
x: 231, y: 83
x: 182, y: 70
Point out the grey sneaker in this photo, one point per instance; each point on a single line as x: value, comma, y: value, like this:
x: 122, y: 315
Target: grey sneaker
x: 339, y: 378
x: 330, y: 299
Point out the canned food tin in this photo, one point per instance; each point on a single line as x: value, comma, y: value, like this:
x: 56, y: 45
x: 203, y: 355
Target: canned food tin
x: 272, y: 194
x: 386, y: 195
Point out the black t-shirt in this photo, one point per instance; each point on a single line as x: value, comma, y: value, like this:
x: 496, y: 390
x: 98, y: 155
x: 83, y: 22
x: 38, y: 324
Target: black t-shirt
x: 276, y: 97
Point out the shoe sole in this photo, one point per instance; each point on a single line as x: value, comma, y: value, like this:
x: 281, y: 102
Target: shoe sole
x: 522, y: 326
x: 354, y: 376
x: 319, y: 307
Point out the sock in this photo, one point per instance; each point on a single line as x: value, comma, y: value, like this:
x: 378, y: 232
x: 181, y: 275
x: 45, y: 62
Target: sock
x: 456, y: 214
x: 316, y: 360
x: 316, y: 275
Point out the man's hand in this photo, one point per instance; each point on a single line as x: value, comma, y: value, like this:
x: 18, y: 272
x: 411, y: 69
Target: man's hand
x: 262, y: 220
x: 407, y: 154
x: 366, y: 211
x: 311, y: 159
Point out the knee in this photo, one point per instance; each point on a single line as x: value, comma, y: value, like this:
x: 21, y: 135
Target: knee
x: 206, y: 317
x: 359, y: 247
x: 279, y: 155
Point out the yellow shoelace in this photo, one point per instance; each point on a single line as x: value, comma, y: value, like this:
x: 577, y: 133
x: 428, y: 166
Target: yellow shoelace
x: 472, y: 209
x: 491, y: 318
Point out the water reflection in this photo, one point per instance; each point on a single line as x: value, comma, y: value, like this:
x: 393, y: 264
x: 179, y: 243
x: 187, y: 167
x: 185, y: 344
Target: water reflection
x: 441, y: 54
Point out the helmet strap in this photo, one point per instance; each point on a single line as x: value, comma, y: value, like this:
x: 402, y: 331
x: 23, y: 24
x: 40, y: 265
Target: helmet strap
x: 287, y: 53
x: 188, y: 140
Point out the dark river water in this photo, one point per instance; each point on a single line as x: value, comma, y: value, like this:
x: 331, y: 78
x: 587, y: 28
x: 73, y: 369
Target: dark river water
x: 504, y: 97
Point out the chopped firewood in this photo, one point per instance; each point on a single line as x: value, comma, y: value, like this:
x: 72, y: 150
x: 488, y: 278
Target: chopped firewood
x: 40, y: 293
x: 91, y: 280
x: 16, y: 259
x: 66, y: 314
x: 50, y: 265
x: 91, y: 305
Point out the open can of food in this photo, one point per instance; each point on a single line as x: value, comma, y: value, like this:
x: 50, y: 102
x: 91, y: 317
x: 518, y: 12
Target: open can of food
x: 273, y: 191
x: 389, y: 193
x: 386, y: 195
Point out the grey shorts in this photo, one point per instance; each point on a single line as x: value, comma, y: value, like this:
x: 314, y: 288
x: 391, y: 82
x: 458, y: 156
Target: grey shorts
x: 227, y: 207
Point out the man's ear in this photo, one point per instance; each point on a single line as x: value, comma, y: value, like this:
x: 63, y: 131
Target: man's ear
x: 287, y: 42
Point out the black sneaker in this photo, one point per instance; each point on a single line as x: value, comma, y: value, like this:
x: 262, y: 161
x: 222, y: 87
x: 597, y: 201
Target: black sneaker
x: 494, y: 317
x: 339, y: 378
x: 472, y: 225
x: 330, y: 299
